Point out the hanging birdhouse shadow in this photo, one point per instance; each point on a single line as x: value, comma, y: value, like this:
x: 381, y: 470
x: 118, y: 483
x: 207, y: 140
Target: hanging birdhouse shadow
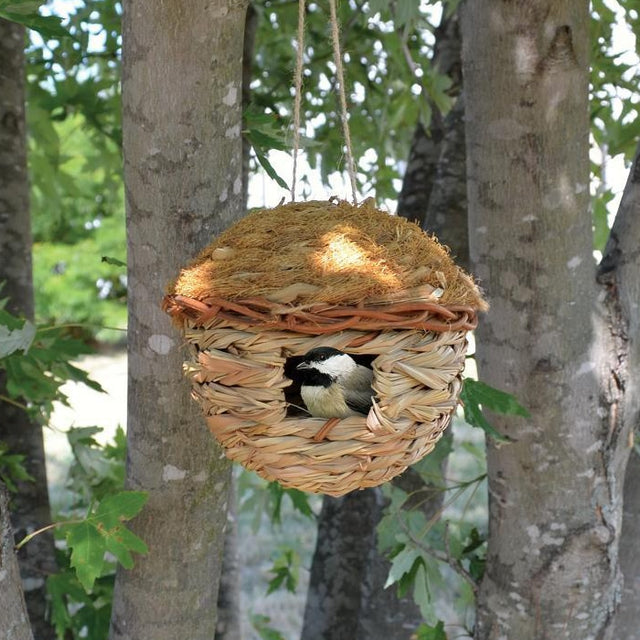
x: 284, y: 281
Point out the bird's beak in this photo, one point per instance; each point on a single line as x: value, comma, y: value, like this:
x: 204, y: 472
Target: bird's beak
x: 304, y: 365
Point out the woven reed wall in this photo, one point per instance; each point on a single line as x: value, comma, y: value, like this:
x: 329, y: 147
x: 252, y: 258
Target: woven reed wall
x: 239, y: 381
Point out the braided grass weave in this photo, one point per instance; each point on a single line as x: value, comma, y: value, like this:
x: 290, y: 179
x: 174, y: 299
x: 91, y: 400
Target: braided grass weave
x: 238, y: 351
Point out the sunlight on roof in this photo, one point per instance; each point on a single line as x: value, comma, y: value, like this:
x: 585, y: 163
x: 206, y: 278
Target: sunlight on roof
x: 341, y: 254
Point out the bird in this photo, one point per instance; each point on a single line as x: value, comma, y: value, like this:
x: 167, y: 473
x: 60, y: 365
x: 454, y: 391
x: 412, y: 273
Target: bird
x: 333, y: 384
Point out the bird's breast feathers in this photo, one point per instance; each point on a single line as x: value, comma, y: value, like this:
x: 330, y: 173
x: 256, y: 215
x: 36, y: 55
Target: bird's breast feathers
x: 326, y: 402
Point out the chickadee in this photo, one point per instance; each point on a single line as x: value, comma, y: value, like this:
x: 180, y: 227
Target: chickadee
x: 334, y: 385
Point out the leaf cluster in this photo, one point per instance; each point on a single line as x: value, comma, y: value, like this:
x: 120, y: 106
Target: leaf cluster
x: 12, y: 469
x: 75, y: 162
x: 391, y: 83
x: 74, y: 122
x: 431, y: 556
x: 78, y: 286
x: 36, y: 362
x: 93, y: 536
x: 614, y: 100
x: 260, y: 498
x: 285, y: 570
x: 82, y: 592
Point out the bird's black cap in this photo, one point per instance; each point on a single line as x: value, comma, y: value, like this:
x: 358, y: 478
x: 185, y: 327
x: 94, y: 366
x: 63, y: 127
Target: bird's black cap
x: 321, y: 353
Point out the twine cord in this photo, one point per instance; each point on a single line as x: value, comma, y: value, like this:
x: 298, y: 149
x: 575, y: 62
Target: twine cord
x: 298, y: 97
x: 337, y: 57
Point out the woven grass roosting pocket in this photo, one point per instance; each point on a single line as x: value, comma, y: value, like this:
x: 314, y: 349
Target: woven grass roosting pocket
x: 285, y: 280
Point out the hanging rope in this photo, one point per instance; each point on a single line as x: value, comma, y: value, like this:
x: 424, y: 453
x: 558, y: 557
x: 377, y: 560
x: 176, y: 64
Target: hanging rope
x: 337, y: 58
x: 298, y: 97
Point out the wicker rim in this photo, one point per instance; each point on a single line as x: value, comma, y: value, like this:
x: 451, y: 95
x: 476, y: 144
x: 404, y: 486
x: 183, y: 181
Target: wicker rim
x: 320, y: 319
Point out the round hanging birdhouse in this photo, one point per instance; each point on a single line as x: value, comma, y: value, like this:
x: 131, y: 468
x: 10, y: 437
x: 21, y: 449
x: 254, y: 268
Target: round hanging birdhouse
x: 326, y: 342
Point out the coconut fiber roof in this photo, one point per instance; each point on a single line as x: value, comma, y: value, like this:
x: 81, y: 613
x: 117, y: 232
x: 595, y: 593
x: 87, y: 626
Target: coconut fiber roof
x: 334, y: 252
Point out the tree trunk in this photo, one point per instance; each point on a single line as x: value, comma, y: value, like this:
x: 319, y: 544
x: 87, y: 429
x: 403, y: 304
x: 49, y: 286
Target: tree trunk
x: 627, y: 626
x: 346, y: 534
x: 14, y: 619
x: 447, y: 215
x: 228, y: 625
x: 15, y: 225
x: 555, y: 492
x: 434, y: 186
x: 30, y: 506
x: 620, y: 272
x: 250, y: 31
x: 182, y: 94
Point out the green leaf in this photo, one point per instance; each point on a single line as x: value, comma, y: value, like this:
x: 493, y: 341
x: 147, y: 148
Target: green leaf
x: 476, y: 395
x: 58, y: 588
x: 16, y: 339
x: 113, y: 261
x: 406, y: 11
x: 91, y: 612
x: 494, y: 399
x: 102, y: 531
x: 26, y: 13
x: 477, y: 566
x: 300, y: 501
x: 402, y: 564
x: 87, y: 552
x: 261, y: 625
x: 120, y: 507
x: 475, y: 541
x: 426, y: 632
x: 378, y: 6
x: 265, y: 141
x: 285, y: 569
x: 12, y: 468
x: 268, y: 167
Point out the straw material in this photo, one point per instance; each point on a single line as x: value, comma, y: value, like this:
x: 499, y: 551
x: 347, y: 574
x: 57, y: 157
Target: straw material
x: 245, y: 331
x: 325, y: 252
x: 239, y: 381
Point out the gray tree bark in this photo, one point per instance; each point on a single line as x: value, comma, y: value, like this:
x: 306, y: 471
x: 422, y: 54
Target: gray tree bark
x: 182, y: 77
x: 228, y: 624
x: 553, y: 338
x: 620, y: 273
x: 434, y: 186
x: 15, y: 225
x: 343, y: 582
x: 30, y: 506
x: 14, y: 619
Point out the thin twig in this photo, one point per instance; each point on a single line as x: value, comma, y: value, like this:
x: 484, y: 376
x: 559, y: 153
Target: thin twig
x: 54, y: 525
x: 15, y: 403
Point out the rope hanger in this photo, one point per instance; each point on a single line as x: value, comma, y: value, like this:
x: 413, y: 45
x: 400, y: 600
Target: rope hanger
x: 337, y: 58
